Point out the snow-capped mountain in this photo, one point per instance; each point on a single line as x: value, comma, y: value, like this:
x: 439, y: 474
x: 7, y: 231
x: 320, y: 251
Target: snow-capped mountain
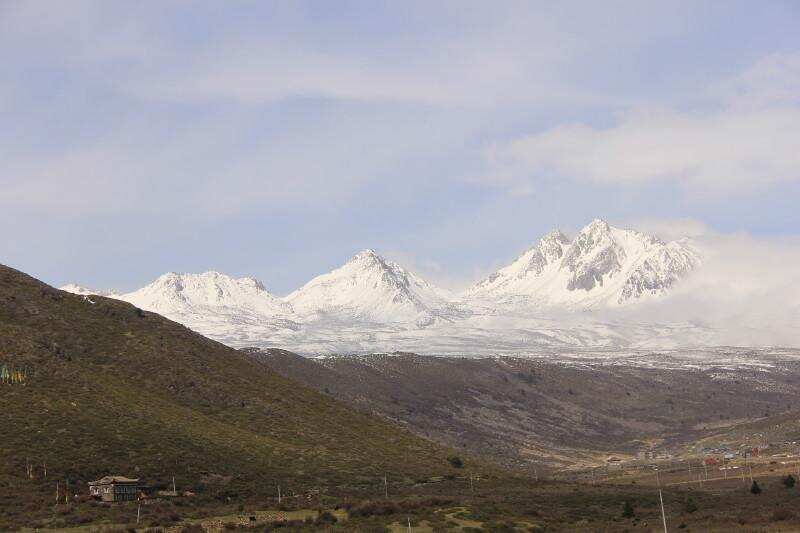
x: 176, y: 294
x: 602, y: 266
x: 85, y: 291
x: 370, y: 288
x: 371, y: 304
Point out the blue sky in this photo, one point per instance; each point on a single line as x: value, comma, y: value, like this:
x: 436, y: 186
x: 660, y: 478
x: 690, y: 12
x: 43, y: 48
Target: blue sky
x: 276, y: 139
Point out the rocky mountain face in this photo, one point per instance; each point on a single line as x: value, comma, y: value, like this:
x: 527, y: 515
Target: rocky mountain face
x: 601, y: 266
x: 372, y: 304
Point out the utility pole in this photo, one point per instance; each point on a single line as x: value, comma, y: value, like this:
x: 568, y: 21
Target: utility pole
x: 409, y: 524
x: 279, y: 494
x: 174, y: 490
x: 138, y: 512
x: 663, y: 516
x: 385, y: 487
x: 57, y: 492
x: 661, y: 500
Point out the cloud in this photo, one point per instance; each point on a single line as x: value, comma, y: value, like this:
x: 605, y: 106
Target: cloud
x: 774, y: 80
x: 670, y: 229
x: 747, y: 292
x: 750, y: 142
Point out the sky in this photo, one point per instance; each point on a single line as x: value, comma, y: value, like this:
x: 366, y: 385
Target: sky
x: 276, y: 139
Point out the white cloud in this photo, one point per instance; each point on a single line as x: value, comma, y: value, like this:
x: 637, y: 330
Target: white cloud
x: 774, y: 80
x: 747, y: 292
x: 750, y: 142
x: 670, y: 229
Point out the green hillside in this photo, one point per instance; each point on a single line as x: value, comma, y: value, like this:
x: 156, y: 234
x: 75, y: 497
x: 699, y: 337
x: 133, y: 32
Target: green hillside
x: 110, y: 389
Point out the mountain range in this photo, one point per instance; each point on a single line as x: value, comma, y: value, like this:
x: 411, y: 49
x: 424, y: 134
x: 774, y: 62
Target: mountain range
x: 371, y: 303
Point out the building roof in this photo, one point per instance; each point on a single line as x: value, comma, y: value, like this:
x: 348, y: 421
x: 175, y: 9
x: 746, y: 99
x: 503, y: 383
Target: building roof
x: 107, y: 480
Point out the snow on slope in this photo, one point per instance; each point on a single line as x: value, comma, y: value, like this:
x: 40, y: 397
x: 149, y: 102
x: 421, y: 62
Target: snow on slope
x: 372, y: 289
x: 602, y: 267
x: 85, y: 291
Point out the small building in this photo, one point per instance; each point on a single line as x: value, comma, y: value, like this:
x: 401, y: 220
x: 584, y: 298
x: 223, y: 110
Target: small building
x: 115, y: 489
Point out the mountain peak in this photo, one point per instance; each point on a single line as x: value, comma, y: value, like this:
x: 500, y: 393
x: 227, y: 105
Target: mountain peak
x: 598, y: 225
x: 368, y: 287
x: 367, y: 255
x: 603, y: 265
x: 173, y: 294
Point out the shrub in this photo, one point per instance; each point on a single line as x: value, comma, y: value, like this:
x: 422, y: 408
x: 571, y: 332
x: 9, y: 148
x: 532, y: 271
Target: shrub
x: 325, y: 517
x: 455, y: 461
x: 754, y: 488
x: 781, y: 514
x: 789, y: 481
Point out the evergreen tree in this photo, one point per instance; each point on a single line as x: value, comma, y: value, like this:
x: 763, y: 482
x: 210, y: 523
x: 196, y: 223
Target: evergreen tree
x: 691, y: 506
x: 754, y: 488
x: 789, y: 481
x: 627, y: 510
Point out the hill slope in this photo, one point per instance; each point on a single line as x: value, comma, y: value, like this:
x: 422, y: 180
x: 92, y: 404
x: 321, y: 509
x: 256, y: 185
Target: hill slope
x: 526, y: 412
x: 113, y: 389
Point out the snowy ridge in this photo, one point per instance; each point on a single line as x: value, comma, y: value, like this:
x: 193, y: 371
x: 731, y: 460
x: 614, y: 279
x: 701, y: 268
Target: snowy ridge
x: 372, y: 304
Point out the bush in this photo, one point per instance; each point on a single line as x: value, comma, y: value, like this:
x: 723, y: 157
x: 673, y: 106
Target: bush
x: 455, y: 461
x: 789, y: 481
x: 754, y: 488
x: 781, y: 514
x: 325, y: 517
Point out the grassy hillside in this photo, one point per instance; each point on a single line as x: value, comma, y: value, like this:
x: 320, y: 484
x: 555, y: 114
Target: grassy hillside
x: 110, y: 389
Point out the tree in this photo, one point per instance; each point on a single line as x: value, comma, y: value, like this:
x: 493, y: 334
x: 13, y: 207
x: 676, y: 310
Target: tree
x: 789, y: 481
x: 627, y: 510
x: 691, y: 506
x: 754, y: 488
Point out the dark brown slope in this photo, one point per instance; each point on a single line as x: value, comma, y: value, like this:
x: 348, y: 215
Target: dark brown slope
x: 112, y: 389
x: 523, y: 413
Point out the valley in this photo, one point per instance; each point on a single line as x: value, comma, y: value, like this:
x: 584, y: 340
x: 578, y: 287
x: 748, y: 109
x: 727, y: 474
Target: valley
x: 562, y: 412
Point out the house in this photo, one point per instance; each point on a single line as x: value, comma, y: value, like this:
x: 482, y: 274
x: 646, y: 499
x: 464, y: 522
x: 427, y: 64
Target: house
x: 115, y: 489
